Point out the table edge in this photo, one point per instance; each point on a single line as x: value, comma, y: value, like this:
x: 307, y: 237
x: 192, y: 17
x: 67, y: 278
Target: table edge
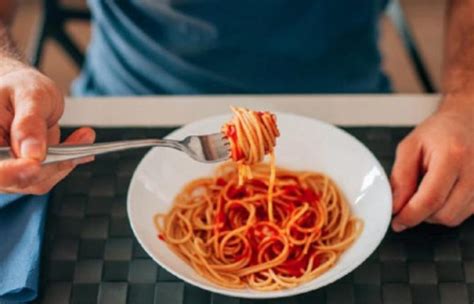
x: 165, y: 111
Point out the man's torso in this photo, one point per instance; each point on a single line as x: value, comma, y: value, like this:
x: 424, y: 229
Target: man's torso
x: 241, y: 46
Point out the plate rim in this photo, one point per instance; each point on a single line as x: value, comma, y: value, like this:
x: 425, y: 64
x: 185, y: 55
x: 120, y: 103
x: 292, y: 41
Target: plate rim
x: 255, y: 294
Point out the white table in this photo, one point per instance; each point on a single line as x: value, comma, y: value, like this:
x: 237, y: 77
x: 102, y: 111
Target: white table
x: 344, y: 110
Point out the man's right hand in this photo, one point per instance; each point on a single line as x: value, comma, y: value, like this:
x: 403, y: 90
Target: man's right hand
x: 30, y: 108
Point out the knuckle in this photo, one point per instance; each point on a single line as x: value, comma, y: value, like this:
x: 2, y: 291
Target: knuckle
x: 30, y: 118
x: 50, y: 87
x: 406, y: 145
x: 35, y: 92
x: 429, y: 198
x: 54, y: 92
x: 396, y: 177
x: 433, y: 200
x: 41, y: 91
x: 402, y: 147
x: 457, y: 150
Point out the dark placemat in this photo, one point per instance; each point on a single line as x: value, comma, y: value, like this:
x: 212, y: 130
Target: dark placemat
x: 91, y: 256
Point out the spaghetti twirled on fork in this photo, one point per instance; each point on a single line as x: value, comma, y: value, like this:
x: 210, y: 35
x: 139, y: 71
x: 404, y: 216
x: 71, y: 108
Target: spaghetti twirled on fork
x: 253, y: 224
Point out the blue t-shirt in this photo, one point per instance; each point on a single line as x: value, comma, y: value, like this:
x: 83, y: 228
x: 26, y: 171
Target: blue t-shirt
x: 143, y: 47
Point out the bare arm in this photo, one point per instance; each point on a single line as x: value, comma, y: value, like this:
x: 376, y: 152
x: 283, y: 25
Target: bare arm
x: 7, y: 11
x: 458, y: 66
x: 440, y: 151
x: 10, y: 57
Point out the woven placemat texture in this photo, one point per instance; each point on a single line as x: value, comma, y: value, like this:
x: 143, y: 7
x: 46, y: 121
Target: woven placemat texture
x: 91, y: 256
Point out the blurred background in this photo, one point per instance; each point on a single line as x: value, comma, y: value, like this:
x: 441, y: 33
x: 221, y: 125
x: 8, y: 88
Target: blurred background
x: 424, y: 18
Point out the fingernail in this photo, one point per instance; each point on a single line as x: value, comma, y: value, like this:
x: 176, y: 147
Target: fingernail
x: 398, y: 227
x: 32, y: 148
x: 28, y: 172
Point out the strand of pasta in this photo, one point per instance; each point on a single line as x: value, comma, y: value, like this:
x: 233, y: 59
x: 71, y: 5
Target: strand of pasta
x: 239, y: 246
x: 254, y: 224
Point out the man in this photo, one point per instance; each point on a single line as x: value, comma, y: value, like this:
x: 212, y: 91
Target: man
x: 279, y: 46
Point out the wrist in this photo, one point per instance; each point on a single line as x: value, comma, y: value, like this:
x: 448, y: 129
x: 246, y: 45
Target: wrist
x: 458, y: 103
x: 8, y: 65
x: 458, y: 79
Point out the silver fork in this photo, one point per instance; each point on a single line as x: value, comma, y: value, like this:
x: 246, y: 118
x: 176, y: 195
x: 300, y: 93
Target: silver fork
x: 209, y: 148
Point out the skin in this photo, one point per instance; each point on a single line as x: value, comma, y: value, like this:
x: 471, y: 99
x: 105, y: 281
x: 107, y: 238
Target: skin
x: 439, y: 152
x: 30, y: 108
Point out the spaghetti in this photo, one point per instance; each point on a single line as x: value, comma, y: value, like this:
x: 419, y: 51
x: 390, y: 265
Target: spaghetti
x: 252, y: 135
x: 232, y: 232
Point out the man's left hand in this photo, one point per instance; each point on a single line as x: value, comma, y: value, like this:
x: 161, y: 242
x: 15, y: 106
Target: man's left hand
x: 440, y: 154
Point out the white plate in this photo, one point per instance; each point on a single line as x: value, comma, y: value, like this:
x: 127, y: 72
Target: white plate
x: 304, y: 144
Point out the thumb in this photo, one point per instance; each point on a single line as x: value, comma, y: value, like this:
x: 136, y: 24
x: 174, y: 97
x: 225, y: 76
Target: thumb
x: 29, y: 135
x: 405, y: 172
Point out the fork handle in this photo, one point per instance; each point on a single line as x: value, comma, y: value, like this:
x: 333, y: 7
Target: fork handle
x: 69, y: 152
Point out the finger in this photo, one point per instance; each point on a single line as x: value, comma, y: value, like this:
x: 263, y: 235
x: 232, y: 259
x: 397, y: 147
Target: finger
x: 46, y: 185
x: 6, y: 118
x: 54, y: 135
x: 29, y: 131
x: 405, y: 173
x: 431, y: 195
x: 54, y: 173
x: 35, y: 108
x: 18, y: 172
x: 83, y: 135
x: 3, y: 137
x: 457, y: 207
x: 61, y: 169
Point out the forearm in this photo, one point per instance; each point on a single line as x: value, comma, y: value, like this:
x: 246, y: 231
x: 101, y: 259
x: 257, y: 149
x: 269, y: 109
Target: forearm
x: 458, y: 65
x: 10, y: 57
x: 7, y: 11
